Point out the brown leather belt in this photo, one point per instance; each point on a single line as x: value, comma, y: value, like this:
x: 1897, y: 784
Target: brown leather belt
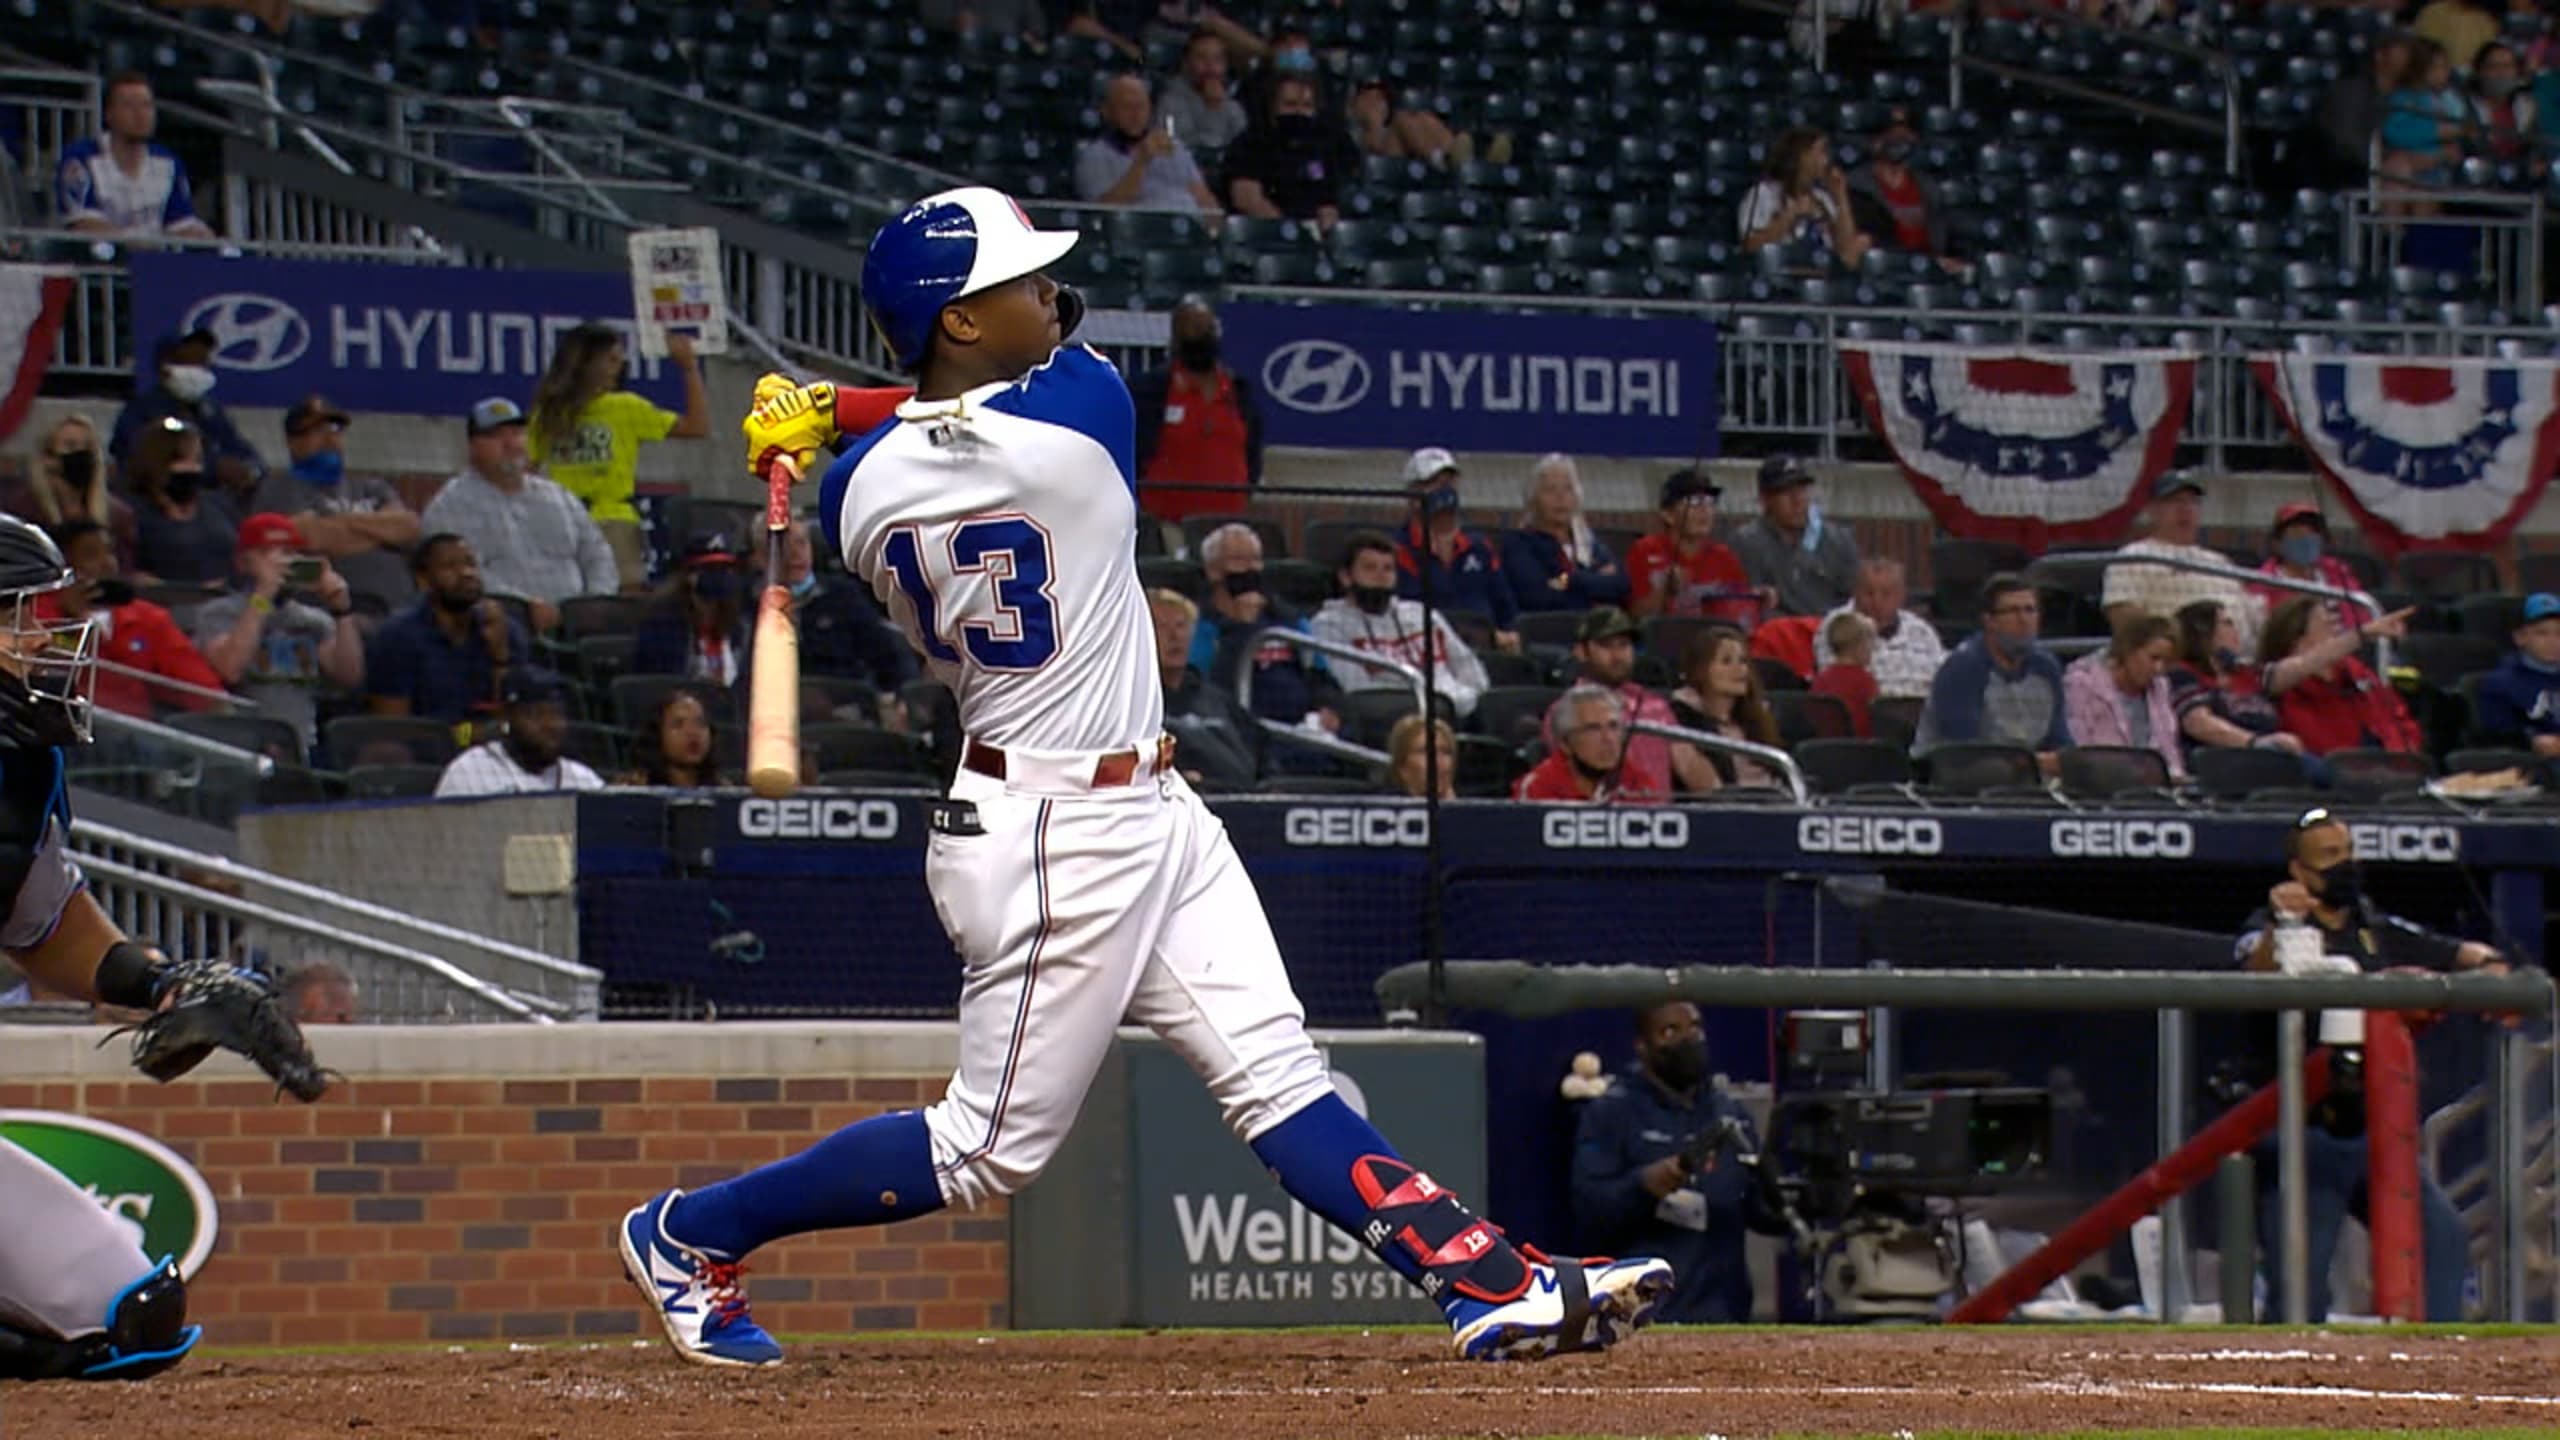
x: 1120, y: 767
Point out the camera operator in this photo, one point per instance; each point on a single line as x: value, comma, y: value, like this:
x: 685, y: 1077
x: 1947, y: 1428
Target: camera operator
x: 1656, y: 1170
x: 2323, y: 896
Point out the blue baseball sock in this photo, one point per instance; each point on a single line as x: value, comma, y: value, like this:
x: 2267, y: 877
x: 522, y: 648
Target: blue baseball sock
x: 1339, y: 1166
x: 868, y: 1173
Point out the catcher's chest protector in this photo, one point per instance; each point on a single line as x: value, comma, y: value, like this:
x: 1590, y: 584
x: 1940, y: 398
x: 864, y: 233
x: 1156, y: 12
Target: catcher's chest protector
x: 36, y: 875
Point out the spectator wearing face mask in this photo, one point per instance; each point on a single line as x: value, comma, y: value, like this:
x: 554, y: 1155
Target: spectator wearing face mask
x: 182, y: 390
x: 444, y: 656
x: 1136, y: 160
x: 2502, y: 113
x: 1465, y: 569
x: 1586, y: 732
x: 184, y: 531
x: 1370, y: 618
x: 534, y: 540
x: 2000, y: 687
x: 698, y: 628
x: 68, y: 483
x: 1293, y: 163
x: 2298, y: 550
x: 358, y: 521
x: 1289, y: 685
x: 1791, y: 549
x: 1892, y: 201
x: 1199, y: 430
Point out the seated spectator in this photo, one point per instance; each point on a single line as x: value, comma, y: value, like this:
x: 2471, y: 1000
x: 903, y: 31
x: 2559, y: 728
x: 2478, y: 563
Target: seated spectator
x: 358, y: 521
x: 535, y: 542
x: 2426, y: 121
x: 678, y: 747
x: 1586, y: 733
x: 2502, y: 110
x: 1129, y: 26
x: 2177, y: 520
x: 1216, y: 744
x: 526, y: 758
x: 319, y: 993
x: 66, y: 481
x: 2351, y: 113
x: 2120, y: 695
x: 277, y: 635
x: 134, y: 635
x: 1721, y: 695
x: 1381, y: 126
x: 2220, y: 695
x: 1293, y: 163
x: 698, y: 627
x: 124, y: 182
x: 1289, y: 685
x: 1908, y: 648
x: 1465, y: 568
x: 1789, y: 551
x: 1684, y: 569
x: 1199, y: 430
x: 1850, y: 678
x: 1027, y: 20
x: 446, y: 656
x: 184, y: 532
x: 1604, y: 650
x: 1803, y: 199
x: 2460, y: 28
x: 1135, y: 161
x: 2000, y: 687
x: 1553, y: 561
x: 1370, y: 617
x: 182, y: 391
x: 2323, y: 692
x: 586, y: 431
x: 2520, y: 700
x: 1408, y: 771
x: 1200, y: 99
x: 1892, y: 201
x: 842, y: 630
x: 2300, y: 542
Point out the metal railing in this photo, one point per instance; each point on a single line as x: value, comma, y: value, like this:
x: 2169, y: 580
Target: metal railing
x: 2210, y: 62
x: 2103, y: 560
x: 55, y: 107
x: 2507, y: 225
x: 1768, y: 755
x: 1316, y: 740
x: 406, y: 968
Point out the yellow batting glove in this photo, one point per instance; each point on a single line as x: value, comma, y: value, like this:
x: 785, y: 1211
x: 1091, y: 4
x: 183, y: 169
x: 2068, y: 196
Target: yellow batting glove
x: 790, y: 420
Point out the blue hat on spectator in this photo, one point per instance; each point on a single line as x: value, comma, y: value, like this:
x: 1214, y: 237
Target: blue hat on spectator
x: 2173, y: 481
x: 2541, y: 605
x: 531, y: 685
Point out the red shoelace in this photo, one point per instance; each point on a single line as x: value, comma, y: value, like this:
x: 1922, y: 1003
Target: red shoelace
x: 720, y: 1287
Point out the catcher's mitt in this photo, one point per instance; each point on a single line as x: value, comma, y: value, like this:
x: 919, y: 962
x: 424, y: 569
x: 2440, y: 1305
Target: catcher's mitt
x: 209, y: 1005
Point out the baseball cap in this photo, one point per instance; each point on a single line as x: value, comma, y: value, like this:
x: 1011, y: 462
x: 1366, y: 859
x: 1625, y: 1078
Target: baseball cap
x: 943, y: 248
x: 1783, y: 472
x: 495, y: 413
x: 1606, y: 622
x: 529, y: 685
x: 710, y: 548
x: 2173, y: 481
x: 267, y: 528
x: 176, y: 339
x: 314, y: 410
x: 2300, y: 511
x: 1428, y: 464
x: 2541, y: 605
x: 1679, y: 485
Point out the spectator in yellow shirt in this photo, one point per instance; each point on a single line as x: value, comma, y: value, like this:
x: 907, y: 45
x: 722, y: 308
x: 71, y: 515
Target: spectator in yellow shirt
x: 2462, y: 27
x: 587, y: 431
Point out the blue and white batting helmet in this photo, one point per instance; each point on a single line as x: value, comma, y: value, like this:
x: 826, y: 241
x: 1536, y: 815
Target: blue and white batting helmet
x: 944, y: 247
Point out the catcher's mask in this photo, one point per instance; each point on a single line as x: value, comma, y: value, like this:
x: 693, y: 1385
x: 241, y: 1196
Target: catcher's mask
x: 48, y: 660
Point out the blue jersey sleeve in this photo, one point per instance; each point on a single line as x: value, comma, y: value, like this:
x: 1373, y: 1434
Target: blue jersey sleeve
x: 1080, y: 390
x: 181, y: 205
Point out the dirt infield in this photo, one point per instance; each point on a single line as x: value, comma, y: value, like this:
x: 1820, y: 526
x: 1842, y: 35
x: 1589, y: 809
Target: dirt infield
x: 1197, y: 1384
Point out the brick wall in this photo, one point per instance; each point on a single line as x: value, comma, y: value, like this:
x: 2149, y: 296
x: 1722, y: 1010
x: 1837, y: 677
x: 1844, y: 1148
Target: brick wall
x: 479, y: 1208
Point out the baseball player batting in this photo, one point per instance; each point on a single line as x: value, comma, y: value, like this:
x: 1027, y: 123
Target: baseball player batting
x: 78, y: 1298
x: 1080, y: 878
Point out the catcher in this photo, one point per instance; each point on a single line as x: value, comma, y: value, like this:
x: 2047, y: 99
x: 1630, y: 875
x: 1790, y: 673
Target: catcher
x: 78, y: 1298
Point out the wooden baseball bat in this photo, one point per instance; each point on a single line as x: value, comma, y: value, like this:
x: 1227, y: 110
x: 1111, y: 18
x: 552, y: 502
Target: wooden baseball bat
x: 773, y: 699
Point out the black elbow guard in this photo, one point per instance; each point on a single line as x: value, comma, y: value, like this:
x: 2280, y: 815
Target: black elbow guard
x: 128, y: 976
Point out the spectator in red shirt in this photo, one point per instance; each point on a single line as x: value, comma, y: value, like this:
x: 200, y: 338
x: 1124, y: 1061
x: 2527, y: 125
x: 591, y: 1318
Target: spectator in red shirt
x: 1723, y: 697
x: 134, y: 634
x: 2326, y: 695
x: 1851, y: 638
x: 1587, y: 740
x: 1895, y: 202
x: 1685, y: 570
x: 2300, y: 543
x: 1605, y: 647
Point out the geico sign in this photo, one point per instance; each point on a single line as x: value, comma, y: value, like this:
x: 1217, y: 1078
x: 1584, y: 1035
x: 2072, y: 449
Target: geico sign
x: 1869, y: 835
x: 1382, y: 825
x: 835, y: 819
x: 2435, y: 844
x: 2131, y: 839
x: 1617, y: 830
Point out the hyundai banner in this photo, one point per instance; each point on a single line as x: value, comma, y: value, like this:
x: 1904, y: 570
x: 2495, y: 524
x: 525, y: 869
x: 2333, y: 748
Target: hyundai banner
x: 412, y: 339
x: 1358, y: 378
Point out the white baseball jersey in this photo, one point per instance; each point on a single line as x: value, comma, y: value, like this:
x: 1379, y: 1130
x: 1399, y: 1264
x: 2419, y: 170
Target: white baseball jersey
x: 997, y: 529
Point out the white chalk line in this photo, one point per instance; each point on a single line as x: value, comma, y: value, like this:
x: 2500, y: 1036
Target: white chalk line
x: 2306, y: 1392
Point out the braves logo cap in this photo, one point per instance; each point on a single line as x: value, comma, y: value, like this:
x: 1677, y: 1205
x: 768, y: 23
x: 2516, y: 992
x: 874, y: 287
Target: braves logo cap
x: 945, y: 247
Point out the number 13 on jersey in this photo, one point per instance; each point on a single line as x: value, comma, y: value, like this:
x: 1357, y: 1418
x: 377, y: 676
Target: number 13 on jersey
x: 989, y: 575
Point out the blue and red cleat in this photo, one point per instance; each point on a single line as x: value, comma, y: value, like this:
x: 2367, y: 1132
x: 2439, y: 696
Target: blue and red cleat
x: 1566, y: 1305
x: 695, y: 1293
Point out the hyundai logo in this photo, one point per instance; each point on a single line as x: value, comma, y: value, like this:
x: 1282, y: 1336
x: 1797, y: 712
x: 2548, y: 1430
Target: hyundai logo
x: 1316, y: 376
x: 250, y: 332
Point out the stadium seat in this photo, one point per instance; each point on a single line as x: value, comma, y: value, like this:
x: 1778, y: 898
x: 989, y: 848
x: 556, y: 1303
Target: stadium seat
x: 356, y: 740
x: 393, y: 782
x: 257, y: 734
x: 1273, y: 535
x: 2539, y: 573
x: 1667, y: 636
x: 1841, y: 766
x: 633, y: 698
x: 1958, y: 567
x: 1554, y: 629
x: 1302, y: 585
x: 1978, y: 769
x: 1183, y: 577
x: 825, y: 698
x: 2483, y: 760
x: 1367, y: 715
x: 2490, y: 617
x: 2107, y: 772
x: 1515, y: 714
x: 858, y: 747
x: 1777, y: 677
x: 601, y: 748
x: 2439, y: 575
x: 2378, y: 774
x: 1803, y: 716
x: 1896, y: 719
x: 2441, y: 660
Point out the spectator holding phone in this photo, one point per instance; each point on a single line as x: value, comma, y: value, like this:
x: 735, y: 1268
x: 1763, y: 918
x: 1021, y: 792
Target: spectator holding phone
x: 1803, y: 199
x: 286, y: 627
x: 1135, y: 160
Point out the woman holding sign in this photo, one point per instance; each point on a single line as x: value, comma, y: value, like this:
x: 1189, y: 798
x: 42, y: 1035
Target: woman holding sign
x: 587, y: 431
